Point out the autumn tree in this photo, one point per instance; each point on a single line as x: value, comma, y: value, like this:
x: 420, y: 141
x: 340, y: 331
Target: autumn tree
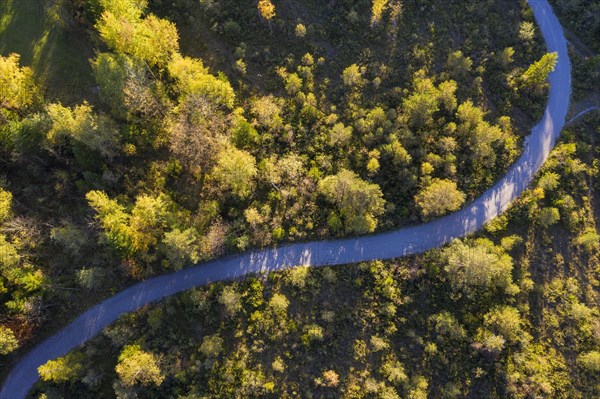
x: 439, y: 197
x: 197, y: 129
x: 266, y: 9
x: 359, y: 202
x: 377, y: 9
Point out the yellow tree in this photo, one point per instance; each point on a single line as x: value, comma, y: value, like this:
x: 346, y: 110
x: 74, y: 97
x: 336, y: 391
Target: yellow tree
x: 266, y: 9
x: 377, y: 9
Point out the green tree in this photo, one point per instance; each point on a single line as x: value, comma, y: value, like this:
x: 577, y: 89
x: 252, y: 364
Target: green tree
x: 359, y: 202
x: 504, y: 321
x: 17, y: 86
x: 420, y: 106
x: 151, y: 39
x: 352, y: 76
x: 446, y: 326
x: 548, y: 216
x: 138, y: 367
x: 535, y: 76
x: 63, y: 369
x: 236, y: 170
x: 478, y: 266
x: 8, y: 341
x: 231, y: 300
x: 279, y: 303
x: 589, y: 361
x: 114, y: 221
x: 193, y: 78
x: 211, y: 346
x: 180, y: 247
x: 5, y: 205
x: 439, y: 197
x: 130, y: 10
x: 87, y: 130
x: 111, y: 72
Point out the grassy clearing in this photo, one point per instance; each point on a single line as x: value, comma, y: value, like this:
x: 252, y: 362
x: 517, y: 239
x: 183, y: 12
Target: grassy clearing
x: 58, y: 55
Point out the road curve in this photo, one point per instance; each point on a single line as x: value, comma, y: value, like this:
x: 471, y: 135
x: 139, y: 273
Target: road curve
x: 393, y: 244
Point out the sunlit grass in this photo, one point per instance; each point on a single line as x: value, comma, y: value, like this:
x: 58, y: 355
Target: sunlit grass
x: 58, y: 58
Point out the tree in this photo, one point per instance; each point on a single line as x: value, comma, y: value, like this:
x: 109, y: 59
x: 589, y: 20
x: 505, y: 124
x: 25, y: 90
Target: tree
x: 377, y: 8
x: 114, y: 221
x: 266, y: 9
x: 504, y: 321
x: 196, y: 129
x: 236, y: 170
x: 340, y: 135
x: 352, y: 76
x: 148, y: 220
x: 439, y: 197
x: 111, y: 72
x: 180, y: 247
x: 459, y: 65
x: 279, y: 303
x: 527, y: 31
x: 193, y: 79
x: 478, y: 266
x: 8, y: 341
x: 63, y: 369
x: 331, y: 379
x: 268, y: 112
x: 535, y: 76
x: 97, y: 133
x: 231, y: 300
x: 359, y: 202
x: 420, y: 106
x: 211, y: 346
x: 548, y: 216
x: 393, y: 371
x: 5, y: 205
x: 151, y: 39
x: 131, y: 10
x: 17, y: 86
x: 589, y: 361
x: 446, y: 326
x: 138, y: 367
x: 479, y: 134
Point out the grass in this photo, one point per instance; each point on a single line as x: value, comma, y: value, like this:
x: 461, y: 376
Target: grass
x: 59, y: 56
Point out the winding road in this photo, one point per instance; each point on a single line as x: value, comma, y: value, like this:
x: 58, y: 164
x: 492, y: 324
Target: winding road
x: 393, y: 244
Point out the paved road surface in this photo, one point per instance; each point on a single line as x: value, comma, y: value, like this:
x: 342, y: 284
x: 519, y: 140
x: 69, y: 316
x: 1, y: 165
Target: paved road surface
x: 388, y: 245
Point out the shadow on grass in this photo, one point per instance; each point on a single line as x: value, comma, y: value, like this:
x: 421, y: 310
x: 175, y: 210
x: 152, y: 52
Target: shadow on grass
x: 59, y: 57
